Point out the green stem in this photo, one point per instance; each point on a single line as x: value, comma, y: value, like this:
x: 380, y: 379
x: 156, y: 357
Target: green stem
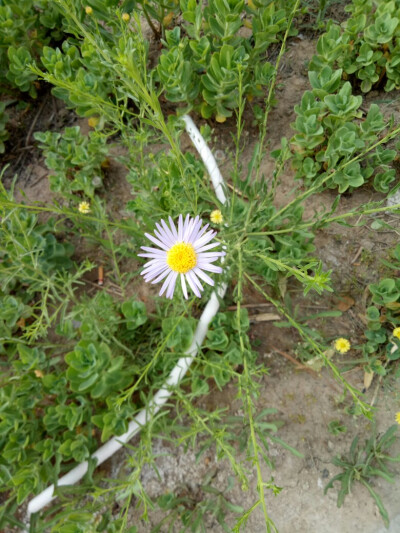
x: 149, y: 365
x: 365, y: 409
x: 327, y: 221
x: 249, y: 404
x: 317, y: 187
x: 268, y: 103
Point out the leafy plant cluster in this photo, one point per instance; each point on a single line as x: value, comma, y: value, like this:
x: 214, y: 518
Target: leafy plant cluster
x: 203, y: 67
x: 25, y: 27
x: 81, y: 66
x: 61, y: 397
x: 193, y: 509
x: 332, y: 130
x: 48, y: 418
x: 28, y: 26
x: 31, y: 256
x: 222, y: 352
x: 78, y: 160
x: 383, y: 317
x: 365, y: 462
x: 366, y: 47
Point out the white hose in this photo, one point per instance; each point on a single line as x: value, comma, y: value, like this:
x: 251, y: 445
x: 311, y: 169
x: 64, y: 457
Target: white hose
x: 178, y: 372
x: 207, y: 157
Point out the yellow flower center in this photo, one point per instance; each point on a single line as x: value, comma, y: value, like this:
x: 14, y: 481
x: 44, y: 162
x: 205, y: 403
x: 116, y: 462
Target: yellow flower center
x: 181, y: 257
x: 396, y: 333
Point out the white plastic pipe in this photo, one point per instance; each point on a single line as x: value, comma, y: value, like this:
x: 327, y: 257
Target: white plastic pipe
x: 113, y: 445
x: 207, y: 157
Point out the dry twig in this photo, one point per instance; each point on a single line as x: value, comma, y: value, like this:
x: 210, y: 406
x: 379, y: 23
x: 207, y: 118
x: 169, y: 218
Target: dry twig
x: 295, y: 361
x: 28, y: 137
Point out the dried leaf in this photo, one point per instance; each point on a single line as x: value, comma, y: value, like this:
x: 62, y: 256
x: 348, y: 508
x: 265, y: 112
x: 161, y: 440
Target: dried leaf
x: 363, y: 318
x: 345, y: 303
x: 264, y: 317
x: 317, y: 363
x: 368, y: 377
x: 282, y: 285
x: 393, y: 305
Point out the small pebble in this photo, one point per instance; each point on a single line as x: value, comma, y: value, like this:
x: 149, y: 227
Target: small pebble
x: 97, y: 182
x: 393, y: 200
x: 219, y: 155
x: 325, y: 473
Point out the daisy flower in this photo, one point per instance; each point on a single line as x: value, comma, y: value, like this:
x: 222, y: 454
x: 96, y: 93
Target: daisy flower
x: 185, y: 252
x: 84, y: 208
x: 342, y: 345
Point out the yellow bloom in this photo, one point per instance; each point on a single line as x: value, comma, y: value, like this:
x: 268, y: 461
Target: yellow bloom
x: 342, y: 345
x: 125, y: 17
x: 398, y: 417
x: 396, y: 333
x: 84, y: 208
x: 220, y: 118
x: 216, y: 217
x: 93, y: 121
x: 88, y: 10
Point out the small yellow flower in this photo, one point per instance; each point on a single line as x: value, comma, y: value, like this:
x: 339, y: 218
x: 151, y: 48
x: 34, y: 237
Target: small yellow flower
x: 84, y: 208
x: 88, y: 10
x: 216, y: 217
x: 220, y: 118
x: 396, y: 333
x: 125, y: 17
x: 93, y: 121
x: 398, y: 417
x: 342, y: 345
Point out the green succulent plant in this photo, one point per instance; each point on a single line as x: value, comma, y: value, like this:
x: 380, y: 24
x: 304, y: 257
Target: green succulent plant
x: 76, y: 159
x: 366, y: 46
x: 329, y: 133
